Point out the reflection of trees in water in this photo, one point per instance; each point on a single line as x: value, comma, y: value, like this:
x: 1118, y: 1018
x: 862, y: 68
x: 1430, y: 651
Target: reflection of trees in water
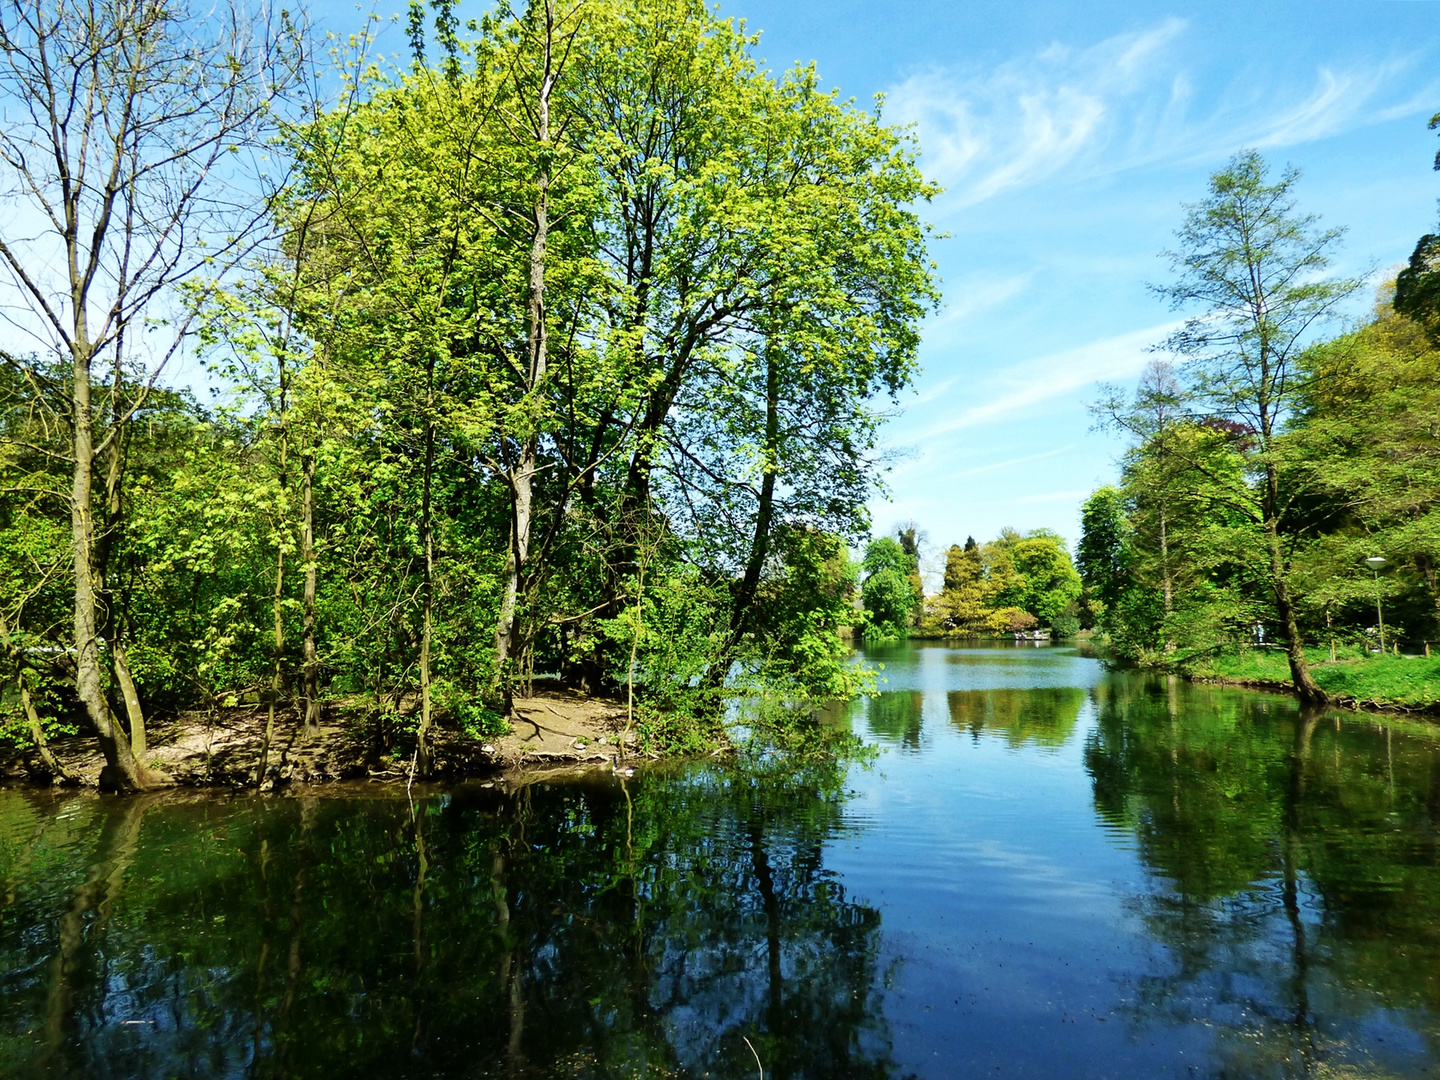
x: 590, y: 929
x: 896, y: 716
x: 1298, y: 862
x: 1042, y: 716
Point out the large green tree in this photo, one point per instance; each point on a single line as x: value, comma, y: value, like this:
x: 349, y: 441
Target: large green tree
x: 1254, y: 266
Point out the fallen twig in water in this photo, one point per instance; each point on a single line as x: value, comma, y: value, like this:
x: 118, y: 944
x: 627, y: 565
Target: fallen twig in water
x: 757, y: 1058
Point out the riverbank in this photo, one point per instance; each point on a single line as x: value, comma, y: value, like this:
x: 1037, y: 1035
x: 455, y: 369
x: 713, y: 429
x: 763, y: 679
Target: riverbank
x: 551, y: 729
x: 1408, y: 685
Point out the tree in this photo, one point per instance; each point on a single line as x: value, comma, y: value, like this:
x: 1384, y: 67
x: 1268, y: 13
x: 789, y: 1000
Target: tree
x: 962, y: 604
x: 1253, y: 264
x: 1153, y: 418
x: 1101, y: 557
x: 1366, y: 447
x: 1031, y: 574
x: 886, y: 590
x: 767, y: 274
x: 1417, y: 288
x: 571, y: 340
x: 121, y: 119
x: 913, y: 540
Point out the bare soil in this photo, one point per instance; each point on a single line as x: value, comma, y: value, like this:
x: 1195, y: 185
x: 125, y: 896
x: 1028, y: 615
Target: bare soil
x: 552, y: 730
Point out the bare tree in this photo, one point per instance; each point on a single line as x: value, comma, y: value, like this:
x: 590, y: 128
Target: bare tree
x: 122, y: 160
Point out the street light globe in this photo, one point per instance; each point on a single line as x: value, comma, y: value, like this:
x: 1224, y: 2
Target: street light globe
x: 1376, y: 561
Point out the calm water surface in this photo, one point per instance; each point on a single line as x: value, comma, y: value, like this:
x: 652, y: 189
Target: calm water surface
x: 1049, y: 871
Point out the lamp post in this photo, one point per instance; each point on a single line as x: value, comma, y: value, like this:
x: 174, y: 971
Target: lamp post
x: 1375, y: 562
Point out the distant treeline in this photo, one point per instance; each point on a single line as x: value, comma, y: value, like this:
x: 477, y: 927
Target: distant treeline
x: 1013, y: 584
x: 1267, y: 463
x: 555, y: 351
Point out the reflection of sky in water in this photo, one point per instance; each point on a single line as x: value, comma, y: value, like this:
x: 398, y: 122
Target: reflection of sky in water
x: 932, y: 668
x: 1050, y: 870
x: 1030, y: 935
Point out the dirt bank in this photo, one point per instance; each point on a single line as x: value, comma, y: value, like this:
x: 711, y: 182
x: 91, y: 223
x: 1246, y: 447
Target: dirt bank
x: 553, y: 729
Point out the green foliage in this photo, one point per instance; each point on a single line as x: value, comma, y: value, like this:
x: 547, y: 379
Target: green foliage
x: 1266, y: 469
x: 886, y: 553
x: 1102, y: 558
x: 1358, y: 459
x: 1065, y: 626
x: 695, y: 465
x: 1033, y: 573
x: 664, y: 644
x: 1014, y: 583
x: 1417, y: 288
x: 888, y: 600
x: 799, y: 657
x: 887, y: 592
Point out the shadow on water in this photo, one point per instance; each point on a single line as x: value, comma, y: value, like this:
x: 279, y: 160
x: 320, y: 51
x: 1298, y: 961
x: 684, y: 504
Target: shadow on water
x: 1297, y: 860
x: 594, y: 928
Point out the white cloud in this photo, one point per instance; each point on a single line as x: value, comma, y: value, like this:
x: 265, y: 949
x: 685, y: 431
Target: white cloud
x: 1126, y: 102
x: 1053, y: 496
x: 974, y: 296
x: 1057, y: 375
x: 1028, y: 119
x: 998, y: 465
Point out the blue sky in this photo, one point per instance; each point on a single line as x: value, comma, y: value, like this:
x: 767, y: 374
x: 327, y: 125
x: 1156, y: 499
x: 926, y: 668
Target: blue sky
x: 1068, y: 136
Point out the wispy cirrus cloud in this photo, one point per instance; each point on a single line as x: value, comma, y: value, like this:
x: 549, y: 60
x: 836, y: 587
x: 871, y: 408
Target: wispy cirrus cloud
x: 1126, y: 102
x: 997, y: 466
x: 1053, y: 496
x: 1029, y: 383
x: 984, y: 132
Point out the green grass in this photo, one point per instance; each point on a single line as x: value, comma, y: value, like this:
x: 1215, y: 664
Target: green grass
x: 1410, y: 682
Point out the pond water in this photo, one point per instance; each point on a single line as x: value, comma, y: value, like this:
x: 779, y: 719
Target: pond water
x: 1049, y: 871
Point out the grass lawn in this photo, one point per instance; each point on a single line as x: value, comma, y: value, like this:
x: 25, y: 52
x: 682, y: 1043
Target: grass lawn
x: 1412, y: 682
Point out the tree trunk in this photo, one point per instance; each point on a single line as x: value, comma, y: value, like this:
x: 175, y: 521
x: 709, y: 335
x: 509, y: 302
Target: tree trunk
x: 48, y: 761
x: 311, y: 684
x: 27, y: 705
x: 1166, y: 581
x: 743, y: 607
x: 122, y: 772
x: 427, y: 591
x: 1304, y: 682
x: 112, y: 626
x: 277, y: 679
x: 277, y: 684
x: 134, y: 713
x: 507, y: 637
